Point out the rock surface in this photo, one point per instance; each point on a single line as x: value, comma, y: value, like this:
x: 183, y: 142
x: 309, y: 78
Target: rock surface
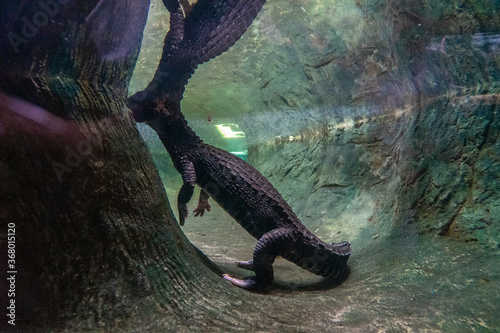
x: 378, y: 115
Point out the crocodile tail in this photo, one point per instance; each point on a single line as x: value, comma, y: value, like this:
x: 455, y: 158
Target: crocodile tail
x: 208, y: 30
x: 214, y: 26
x: 332, y: 258
x: 318, y: 257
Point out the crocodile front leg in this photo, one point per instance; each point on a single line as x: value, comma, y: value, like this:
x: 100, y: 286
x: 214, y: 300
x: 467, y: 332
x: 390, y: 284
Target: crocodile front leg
x: 202, y: 204
x: 270, y: 245
x: 189, y: 178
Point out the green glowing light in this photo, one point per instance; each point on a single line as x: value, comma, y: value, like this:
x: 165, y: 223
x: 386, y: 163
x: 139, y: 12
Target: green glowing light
x: 230, y: 131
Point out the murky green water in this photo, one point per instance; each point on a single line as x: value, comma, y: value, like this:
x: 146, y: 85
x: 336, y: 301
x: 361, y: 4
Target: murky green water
x: 378, y: 122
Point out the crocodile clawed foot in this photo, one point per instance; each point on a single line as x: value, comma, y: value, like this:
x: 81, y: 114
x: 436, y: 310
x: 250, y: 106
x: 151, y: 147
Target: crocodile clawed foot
x: 245, y: 264
x: 249, y: 283
x: 200, y: 209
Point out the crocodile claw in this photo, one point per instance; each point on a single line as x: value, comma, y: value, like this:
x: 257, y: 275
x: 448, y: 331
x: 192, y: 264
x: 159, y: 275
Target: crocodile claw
x: 245, y: 264
x: 249, y: 283
x: 200, y: 209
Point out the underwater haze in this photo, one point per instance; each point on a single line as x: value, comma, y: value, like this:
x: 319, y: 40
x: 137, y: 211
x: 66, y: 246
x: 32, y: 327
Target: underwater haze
x: 378, y: 122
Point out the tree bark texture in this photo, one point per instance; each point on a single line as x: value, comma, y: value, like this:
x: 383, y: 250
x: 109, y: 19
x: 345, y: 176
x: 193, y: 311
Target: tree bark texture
x: 97, y: 245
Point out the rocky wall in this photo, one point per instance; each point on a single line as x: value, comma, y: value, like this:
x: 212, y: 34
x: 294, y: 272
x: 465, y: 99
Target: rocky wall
x: 430, y: 169
x: 340, y: 181
x: 409, y: 141
x: 450, y: 170
x: 373, y: 118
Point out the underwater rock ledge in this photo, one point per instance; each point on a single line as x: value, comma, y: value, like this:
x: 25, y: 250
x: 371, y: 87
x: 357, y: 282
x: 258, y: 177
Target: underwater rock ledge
x: 433, y: 166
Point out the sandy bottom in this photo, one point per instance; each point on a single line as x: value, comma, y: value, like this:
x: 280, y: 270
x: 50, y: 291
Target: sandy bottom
x: 400, y: 284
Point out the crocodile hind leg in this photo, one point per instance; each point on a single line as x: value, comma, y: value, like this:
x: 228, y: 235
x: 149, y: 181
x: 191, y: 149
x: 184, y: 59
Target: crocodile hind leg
x: 269, y: 246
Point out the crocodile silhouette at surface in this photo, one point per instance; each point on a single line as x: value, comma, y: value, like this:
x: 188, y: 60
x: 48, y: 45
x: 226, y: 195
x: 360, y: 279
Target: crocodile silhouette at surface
x: 235, y: 185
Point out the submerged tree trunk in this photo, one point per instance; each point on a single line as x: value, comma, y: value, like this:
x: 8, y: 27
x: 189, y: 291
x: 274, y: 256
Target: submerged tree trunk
x: 96, y: 244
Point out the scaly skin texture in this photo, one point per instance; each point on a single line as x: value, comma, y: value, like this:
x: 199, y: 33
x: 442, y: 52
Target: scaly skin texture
x: 250, y: 199
x: 210, y: 28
